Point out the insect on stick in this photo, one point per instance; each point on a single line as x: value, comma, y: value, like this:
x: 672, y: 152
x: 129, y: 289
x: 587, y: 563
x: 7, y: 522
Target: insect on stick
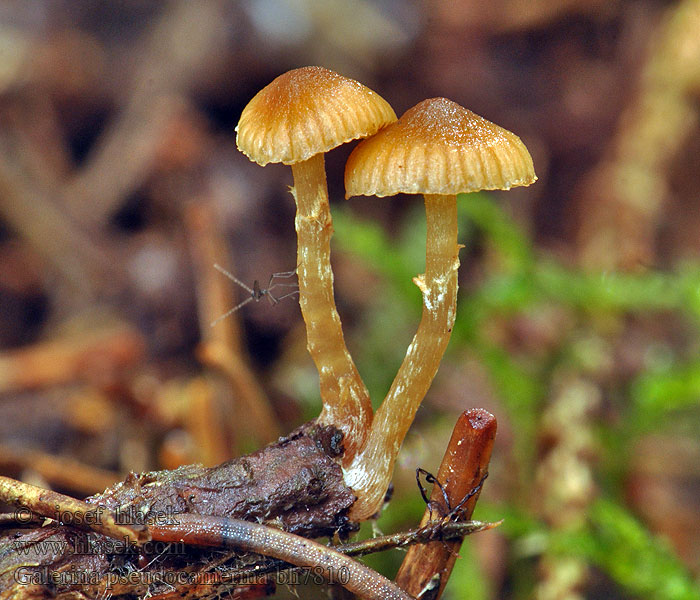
x: 426, y: 569
x: 256, y: 292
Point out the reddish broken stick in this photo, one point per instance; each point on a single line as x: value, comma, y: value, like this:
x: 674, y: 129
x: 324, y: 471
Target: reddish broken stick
x: 426, y: 568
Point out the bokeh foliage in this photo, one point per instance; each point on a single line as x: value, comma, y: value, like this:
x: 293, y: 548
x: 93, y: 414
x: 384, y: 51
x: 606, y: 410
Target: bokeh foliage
x: 662, y: 398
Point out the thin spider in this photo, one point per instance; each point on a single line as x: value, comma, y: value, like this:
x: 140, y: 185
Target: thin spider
x: 256, y: 292
x: 452, y: 512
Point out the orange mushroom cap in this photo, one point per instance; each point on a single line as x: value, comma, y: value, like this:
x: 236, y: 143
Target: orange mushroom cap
x: 438, y: 147
x: 305, y: 112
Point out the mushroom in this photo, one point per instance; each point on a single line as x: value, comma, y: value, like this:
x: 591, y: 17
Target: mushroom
x: 439, y: 149
x: 294, y: 120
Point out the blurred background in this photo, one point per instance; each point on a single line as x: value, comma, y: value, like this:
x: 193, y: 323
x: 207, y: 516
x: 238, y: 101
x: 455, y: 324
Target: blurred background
x: 121, y: 186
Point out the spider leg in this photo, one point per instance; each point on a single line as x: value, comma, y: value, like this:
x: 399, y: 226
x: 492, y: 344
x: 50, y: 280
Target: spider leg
x: 430, y: 478
x: 271, y: 286
x: 256, y: 292
x: 283, y: 275
x: 280, y: 275
x: 281, y: 285
x: 233, y: 278
x: 287, y: 295
x: 455, y: 511
x: 421, y: 489
x: 276, y: 299
x: 233, y: 310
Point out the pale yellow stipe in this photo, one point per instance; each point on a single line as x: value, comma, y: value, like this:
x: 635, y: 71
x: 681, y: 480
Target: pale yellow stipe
x: 370, y: 472
x: 294, y: 120
x: 346, y: 403
x: 437, y: 148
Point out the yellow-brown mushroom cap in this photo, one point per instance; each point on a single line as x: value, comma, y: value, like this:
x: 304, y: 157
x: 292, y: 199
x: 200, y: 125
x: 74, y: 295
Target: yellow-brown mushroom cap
x: 438, y: 147
x: 305, y: 112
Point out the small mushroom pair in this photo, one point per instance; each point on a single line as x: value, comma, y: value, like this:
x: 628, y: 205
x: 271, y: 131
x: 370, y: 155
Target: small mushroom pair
x: 437, y: 148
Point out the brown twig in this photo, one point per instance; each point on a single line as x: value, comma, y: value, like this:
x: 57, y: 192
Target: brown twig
x: 214, y: 293
x: 221, y: 346
x: 63, y: 472
x: 269, y: 541
x: 426, y: 569
x: 204, y: 421
x: 31, y: 206
x: 432, y: 532
x: 258, y: 409
x: 78, y: 356
x: 33, y: 501
x: 440, y: 531
x: 124, y: 154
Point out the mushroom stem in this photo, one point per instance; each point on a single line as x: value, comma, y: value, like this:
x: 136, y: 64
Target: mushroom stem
x: 346, y: 403
x: 370, y: 472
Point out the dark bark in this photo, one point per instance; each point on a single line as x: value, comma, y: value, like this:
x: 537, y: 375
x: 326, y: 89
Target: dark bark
x: 295, y: 483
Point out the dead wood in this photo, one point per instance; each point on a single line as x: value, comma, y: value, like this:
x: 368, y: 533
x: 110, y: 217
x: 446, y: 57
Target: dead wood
x: 295, y: 484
